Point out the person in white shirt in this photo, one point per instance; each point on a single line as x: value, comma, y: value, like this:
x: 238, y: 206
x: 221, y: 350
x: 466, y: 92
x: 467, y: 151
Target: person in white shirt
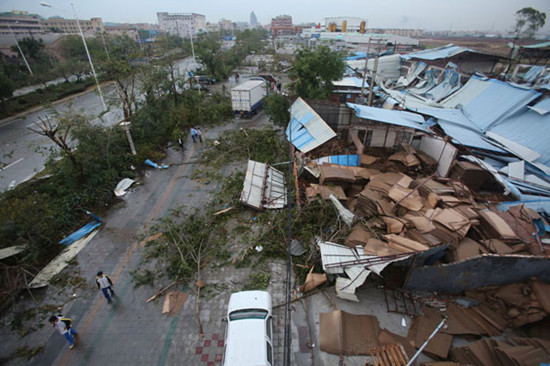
x: 63, y: 326
x: 105, y: 284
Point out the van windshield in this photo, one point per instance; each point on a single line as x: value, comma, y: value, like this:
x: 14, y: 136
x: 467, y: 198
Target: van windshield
x: 248, y: 314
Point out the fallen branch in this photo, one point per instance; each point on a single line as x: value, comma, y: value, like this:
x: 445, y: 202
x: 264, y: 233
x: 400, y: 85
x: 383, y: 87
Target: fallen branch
x: 222, y: 211
x: 160, y: 292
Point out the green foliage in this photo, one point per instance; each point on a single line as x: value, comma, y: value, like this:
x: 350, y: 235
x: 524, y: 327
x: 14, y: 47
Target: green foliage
x: 529, y: 21
x: 32, y: 48
x: 265, y: 145
x: 6, y: 87
x: 143, y: 278
x: 258, y: 281
x: 315, y: 71
x: 277, y: 107
x: 24, y: 352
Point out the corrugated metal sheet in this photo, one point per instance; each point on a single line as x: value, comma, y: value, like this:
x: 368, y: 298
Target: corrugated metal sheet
x: 350, y: 82
x: 9, y: 251
x: 347, y: 160
x: 542, y: 107
x: 466, y: 94
x: 332, y: 253
x: 307, y: 129
x: 447, y: 51
x: 467, y: 137
x: 389, y: 67
x: 264, y: 187
x: 399, y: 118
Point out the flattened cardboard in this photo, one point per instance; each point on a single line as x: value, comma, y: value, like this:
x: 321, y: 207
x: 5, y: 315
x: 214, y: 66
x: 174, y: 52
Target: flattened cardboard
x: 347, y: 334
x: 542, y: 292
x: 368, y: 160
x: 358, y: 236
x: 407, y: 198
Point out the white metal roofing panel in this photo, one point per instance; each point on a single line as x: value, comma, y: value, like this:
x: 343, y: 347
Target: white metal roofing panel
x: 306, y: 128
x: 350, y: 82
x: 250, y: 84
x: 332, y: 253
x: 400, y: 118
x: 9, y: 251
x: 264, y: 187
x: 437, y: 53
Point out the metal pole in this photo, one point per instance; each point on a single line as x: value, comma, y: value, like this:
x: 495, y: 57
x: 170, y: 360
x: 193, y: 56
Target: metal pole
x: 90, y: 59
x: 426, y: 343
x: 287, y: 337
x: 20, y: 50
x: 371, y: 90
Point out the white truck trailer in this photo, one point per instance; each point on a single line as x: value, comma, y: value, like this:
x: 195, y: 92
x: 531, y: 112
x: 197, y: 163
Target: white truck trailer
x: 247, y: 97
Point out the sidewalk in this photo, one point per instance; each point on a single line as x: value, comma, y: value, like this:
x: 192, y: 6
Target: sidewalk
x: 131, y: 331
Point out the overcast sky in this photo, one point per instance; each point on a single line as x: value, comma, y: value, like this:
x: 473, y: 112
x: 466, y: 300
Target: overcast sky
x: 497, y: 15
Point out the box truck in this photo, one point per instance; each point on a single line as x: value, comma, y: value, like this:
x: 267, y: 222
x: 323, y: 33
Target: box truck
x: 247, y: 97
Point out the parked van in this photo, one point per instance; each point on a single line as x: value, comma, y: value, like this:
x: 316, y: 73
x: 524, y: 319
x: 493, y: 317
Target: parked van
x: 249, y: 333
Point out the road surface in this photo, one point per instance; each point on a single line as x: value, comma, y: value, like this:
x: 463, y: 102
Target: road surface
x: 23, y: 153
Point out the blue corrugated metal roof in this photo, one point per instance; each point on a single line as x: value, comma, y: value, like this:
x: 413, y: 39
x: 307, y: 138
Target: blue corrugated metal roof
x: 529, y: 129
x: 438, y: 53
x: 307, y: 127
x: 467, y: 137
x: 399, y: 118
x: 542, y: 107
x: 497, y: 101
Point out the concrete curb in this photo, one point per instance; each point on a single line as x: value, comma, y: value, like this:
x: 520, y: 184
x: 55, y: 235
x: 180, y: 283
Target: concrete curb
x: 59, y: 101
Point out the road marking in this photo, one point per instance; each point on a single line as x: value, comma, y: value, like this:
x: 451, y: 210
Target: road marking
x: 99, y: 302
x: 12, y: 164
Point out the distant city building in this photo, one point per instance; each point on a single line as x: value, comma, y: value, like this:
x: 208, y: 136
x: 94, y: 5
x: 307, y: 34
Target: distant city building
x: 182, y: 24
x: 253, y: 20
x: 61, y: 25
x: 345, y: 24
x: 282, y: 26
x: 20, y: 22
x: 212, y: 27
x: 226, y: 25
x: 122, y: 30
x: 241, y: 25
x: 415, y: 33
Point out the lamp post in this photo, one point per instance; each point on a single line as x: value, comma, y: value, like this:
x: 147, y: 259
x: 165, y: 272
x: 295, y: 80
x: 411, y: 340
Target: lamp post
x: 125, y: 126
x: 19, y: 48
x: 87, y: 52
x: 191, y: 34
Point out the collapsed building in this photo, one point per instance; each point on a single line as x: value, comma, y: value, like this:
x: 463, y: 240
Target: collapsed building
x: 446, y: 188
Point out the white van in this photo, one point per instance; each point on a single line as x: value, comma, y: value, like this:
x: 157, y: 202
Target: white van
x: 249, y: 333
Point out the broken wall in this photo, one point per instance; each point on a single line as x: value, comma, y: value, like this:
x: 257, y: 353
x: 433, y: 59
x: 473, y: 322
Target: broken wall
x: 337, y: 115
x: 482, y: 271
x: 443, y: 152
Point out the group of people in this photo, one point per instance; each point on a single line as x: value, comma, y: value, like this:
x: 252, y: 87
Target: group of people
x: 64, y: 324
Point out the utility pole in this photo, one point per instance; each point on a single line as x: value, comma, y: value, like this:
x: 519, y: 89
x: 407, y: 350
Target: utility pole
x: 373, y: 75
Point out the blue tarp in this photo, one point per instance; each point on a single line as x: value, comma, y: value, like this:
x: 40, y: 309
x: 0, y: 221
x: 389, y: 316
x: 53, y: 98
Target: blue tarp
x: 83, y: 231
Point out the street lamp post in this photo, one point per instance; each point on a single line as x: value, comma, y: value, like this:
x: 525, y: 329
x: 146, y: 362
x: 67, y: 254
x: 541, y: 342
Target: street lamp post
x: 19, y: 48
x: 87, y: 53
x: 126, y: 126
x: 191, y: 34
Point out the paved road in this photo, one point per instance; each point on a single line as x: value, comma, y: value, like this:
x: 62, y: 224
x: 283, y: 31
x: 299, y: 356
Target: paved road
x: 23, y: 152
x: 131, y: 331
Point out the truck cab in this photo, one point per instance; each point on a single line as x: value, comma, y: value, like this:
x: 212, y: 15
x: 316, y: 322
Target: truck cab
x: 249, y: 333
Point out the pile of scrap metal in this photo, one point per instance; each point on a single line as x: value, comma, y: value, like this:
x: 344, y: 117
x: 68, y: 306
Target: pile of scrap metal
x: 404, y: 209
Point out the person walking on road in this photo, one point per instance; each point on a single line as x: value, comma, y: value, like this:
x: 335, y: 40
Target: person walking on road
x: 180, y: 142
x: 199, y: 133
x: 105, y: 284
x: 194, y: 134
x: 63, y: 326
